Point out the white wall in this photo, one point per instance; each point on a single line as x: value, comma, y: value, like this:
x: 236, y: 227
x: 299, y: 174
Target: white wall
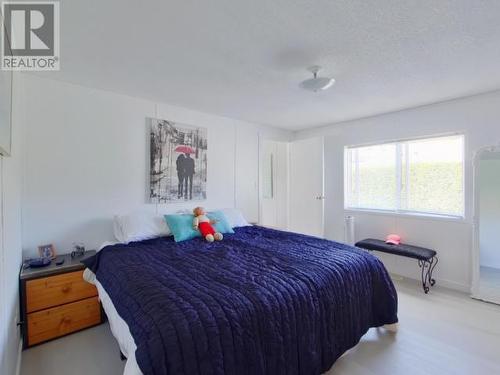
x: 489, y: 209
x: 87, y: 159
x: 10, y: 244
x: 478, y: 117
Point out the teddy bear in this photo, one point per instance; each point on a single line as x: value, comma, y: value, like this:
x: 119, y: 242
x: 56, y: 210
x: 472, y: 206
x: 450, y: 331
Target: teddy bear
x: 202, y: 223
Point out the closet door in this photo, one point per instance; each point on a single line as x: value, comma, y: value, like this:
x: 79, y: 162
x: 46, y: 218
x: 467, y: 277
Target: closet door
x: 306, y: 213
x: 273, y: 184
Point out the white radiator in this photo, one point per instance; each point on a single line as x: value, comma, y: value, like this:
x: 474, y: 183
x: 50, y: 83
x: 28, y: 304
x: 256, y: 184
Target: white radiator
x: 349, y: 230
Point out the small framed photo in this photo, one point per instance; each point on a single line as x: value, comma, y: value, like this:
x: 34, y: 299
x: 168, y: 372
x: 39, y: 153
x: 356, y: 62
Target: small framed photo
x: 47, y: 251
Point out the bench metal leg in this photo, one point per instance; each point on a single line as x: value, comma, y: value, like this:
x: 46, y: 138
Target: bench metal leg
x: 427, y: 267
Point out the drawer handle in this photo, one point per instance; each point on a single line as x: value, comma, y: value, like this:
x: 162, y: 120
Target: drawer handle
x: 66, y: 288
x: 65, y: 320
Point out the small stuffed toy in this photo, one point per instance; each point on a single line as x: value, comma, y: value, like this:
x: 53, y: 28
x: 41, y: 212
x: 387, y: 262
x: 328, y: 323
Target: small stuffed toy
x: 204, y: 225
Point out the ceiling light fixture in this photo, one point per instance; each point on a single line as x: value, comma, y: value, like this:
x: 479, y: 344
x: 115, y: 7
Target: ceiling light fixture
x: 317, y: 83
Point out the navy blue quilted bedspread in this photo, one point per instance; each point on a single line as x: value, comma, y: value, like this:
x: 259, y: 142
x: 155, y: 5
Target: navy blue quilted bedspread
x: 259, y: 302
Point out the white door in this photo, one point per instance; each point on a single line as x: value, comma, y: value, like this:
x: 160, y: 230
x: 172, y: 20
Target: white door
x: 274, y: 184
x: 306, y: 187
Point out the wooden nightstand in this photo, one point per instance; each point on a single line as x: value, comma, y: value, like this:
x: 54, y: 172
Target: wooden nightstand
x: 56, y: 301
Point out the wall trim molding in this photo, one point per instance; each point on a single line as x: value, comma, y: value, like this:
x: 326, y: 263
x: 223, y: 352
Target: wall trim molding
x: 444, y: 283
x: 19, y: 357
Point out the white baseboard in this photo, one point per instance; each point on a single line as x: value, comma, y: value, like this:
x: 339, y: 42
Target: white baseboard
x: 19, y: 356
x: 441, y: 282
x: 455, y: 286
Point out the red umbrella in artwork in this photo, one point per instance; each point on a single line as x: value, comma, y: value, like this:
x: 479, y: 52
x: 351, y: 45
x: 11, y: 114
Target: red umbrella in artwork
x: 184, y: 149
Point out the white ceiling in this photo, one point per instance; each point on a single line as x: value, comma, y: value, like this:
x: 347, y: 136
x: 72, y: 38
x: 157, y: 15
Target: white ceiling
x: 245, y: 58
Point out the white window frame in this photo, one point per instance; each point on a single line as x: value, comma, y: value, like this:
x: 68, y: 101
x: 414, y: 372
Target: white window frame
x: 399, y: 210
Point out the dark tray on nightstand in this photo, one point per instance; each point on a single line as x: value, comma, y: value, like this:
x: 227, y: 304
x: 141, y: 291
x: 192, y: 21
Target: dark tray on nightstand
x: 70, y: 264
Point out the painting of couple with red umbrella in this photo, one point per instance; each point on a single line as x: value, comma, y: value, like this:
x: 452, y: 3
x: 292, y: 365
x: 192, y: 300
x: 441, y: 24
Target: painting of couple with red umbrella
x: 178, y: 162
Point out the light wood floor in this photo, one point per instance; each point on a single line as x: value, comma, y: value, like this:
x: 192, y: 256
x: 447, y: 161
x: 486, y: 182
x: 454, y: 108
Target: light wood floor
x: 441, y: 333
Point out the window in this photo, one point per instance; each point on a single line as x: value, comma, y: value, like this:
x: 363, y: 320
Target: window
x: 415, y: 176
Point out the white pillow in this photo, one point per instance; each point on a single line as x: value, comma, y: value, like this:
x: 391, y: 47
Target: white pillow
x: 235, y: 217
x: 139, y: 226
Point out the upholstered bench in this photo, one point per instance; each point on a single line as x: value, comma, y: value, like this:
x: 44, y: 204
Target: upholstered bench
x: 427, y: 258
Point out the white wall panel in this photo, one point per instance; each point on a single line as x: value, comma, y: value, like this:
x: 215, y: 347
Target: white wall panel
x: 246, y: 153
x: 11, y: 177
x: 87, y: 159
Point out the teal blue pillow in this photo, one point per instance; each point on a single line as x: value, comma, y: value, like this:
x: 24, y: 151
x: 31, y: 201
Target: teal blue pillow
x: 222, y: 225
x: 181, y: 227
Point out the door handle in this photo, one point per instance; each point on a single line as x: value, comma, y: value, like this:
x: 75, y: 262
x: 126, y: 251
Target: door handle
x: 320, y: 197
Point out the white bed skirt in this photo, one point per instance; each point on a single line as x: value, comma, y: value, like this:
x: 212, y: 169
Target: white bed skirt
x: 119, y: 328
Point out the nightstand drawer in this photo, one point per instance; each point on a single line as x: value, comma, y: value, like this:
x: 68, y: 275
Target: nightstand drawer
x: 56, y: 290
x: 59, y: 321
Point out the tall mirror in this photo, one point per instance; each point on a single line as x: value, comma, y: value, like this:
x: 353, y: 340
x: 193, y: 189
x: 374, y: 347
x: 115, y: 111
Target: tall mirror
x: 487, y: 188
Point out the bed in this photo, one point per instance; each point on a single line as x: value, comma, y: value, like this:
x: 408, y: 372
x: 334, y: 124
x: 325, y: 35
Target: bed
x: 261, y: 301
